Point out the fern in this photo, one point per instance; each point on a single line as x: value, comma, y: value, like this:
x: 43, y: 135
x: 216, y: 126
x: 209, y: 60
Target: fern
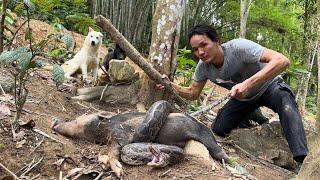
x: 10, y: 56
x: 68, y: 40
x: 24, y: 61
x: 7, y: 56
x: 58, y: 74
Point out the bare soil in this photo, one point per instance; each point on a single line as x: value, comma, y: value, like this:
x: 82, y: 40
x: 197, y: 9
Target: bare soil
x: 46, y: 102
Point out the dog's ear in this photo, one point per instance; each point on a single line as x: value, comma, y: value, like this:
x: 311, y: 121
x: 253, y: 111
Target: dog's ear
x: 100, y: 34
x: 90, y: 29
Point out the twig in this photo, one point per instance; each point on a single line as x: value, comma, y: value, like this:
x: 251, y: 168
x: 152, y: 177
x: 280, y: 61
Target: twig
x: 83, y: 105
x: 4, y: 93
x: 63, y: 108
x: 91, y: 106
x: 14, y: 35
x: 60, y: 176
x: 12, y: 174
x: 99, y: 176
x: 105, y: 72
x: 205, y: 101
x: 165, y: 173
x: 207, y: 108
x: 224, y: 164
x: 32, y: 166
x: 35, y: 177
x: 46, y: 135
x: 39, y: 143
x: 104, y: 89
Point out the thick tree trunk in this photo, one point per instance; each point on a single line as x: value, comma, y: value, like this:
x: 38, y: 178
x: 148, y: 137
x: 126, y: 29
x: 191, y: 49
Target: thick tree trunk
x: 305, y: 82
x: 309, y: 27
x: 135, y: 56
x: 318, y: 94
x: 3, y: 16
x: 164, y: 44
x: 310, y: 167
x: 244, y: 13
x: 318, y: 60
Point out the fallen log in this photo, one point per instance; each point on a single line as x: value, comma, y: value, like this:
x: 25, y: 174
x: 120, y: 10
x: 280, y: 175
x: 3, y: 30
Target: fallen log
x: 137, y: 58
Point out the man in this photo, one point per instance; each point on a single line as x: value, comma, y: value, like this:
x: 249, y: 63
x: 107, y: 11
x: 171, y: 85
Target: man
x: 254, y: 71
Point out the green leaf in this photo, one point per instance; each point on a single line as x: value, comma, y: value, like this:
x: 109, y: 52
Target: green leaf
x: 10, y: 56
x: 36, y: 63
x: 58, y: 74
x: 7, y: 56
x: 58, y: 26
x: 68, y: 40
x: 58, y: 52
x: 27, y: 35
x: 29, y: 4
x: 24, y: 60
x: 233, y: 160
x: 2, y: 146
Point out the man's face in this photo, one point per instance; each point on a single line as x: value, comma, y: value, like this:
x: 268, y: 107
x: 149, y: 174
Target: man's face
x: 204, y: 48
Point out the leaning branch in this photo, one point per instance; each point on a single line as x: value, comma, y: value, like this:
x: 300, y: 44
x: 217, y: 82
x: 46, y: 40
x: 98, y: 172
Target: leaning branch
x: 136, y: 57
x: 12, y: 174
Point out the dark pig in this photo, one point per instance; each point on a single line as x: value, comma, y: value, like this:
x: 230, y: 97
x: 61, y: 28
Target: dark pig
x: 163, y: 127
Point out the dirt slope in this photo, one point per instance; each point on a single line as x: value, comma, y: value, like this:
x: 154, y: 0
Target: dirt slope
x: 45, y: 102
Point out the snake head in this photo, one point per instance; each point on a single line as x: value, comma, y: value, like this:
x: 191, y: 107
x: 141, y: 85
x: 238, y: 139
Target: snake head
x: 160, y: 159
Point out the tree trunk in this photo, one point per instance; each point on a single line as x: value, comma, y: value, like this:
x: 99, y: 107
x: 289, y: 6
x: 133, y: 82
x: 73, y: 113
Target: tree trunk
x: 244, y: 13
x: 3, y: 16
x: 318, y: 60
x: 308, y: 41
x: 136, y: 57
x: 164, y: 44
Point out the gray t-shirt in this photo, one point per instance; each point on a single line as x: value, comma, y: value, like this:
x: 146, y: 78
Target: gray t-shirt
x: 241, y: 61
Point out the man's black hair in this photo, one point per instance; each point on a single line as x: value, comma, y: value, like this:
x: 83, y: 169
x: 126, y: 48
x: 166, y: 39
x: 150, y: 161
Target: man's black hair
x: 203, y: 29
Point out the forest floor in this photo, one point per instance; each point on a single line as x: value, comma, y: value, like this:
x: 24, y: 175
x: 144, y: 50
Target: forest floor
x: 54, y: 159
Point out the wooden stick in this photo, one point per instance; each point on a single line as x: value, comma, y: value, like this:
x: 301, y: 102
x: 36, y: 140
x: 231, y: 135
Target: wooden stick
x: 137, y: 58
x: 33, y: 165
x: 46, y: 135
x: 4, y: 93
x: 104, y: 89
x: 12, y: 174
x: 38, y: 144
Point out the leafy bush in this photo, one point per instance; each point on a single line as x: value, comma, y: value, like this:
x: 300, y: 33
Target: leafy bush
x: 311, y: 104
x: 186, y: 66
x: 23, y: 60
x: 70, y: 14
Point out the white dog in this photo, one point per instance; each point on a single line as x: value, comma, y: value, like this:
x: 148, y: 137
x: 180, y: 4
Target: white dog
x: 86, y: 59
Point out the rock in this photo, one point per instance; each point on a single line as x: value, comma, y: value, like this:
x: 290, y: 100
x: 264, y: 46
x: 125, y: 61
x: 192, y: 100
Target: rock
x: 197, y: 149
x: 6, y: 81
x: 122, y: 94
x: 266, y: 141
x: 122, y: 72
x: 310, y: 167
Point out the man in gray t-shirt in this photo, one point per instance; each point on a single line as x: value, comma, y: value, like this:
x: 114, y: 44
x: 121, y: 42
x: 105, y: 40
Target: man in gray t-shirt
x: 251, y: 73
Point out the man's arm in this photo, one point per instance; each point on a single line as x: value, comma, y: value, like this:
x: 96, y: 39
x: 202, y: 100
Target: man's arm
x: 277, y: 63
x: 192, y: 92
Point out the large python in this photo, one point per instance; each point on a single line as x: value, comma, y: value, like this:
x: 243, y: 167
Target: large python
x: 154, y: 138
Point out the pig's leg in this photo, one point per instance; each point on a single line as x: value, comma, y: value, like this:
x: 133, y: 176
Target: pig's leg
x: 114, y: 155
